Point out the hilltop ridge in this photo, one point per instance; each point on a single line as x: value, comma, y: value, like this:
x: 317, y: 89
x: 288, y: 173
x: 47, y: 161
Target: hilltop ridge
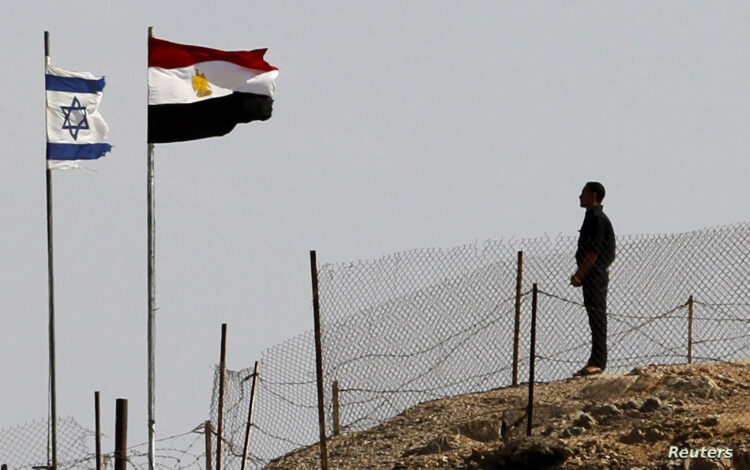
x: 654, y: 417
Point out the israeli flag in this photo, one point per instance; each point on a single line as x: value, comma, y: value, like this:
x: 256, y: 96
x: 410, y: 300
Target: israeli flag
x: 75, y: 129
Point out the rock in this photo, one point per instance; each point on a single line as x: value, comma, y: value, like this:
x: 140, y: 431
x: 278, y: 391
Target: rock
x: 690, y: 386
x: 692, y: 433
x: 653, y: 435
x: 436, y: 446
x: 632, y: 405
x: 584, y: 421
x: 651, y: 404
x: 606, y: 410
x: 644, y: 383
x: 513, y: 422
x: 675, y: 465
x: 534, y: 452
x: 605, y: 388
x: 635, y: 436
x: 549, y: 431
x: 480, y: 430
x: 663, y: 395
x: 704, y: 464
x: 741, y: 459
x: 514, y: 417
x: 550, y: 411
x: 574, y: 431
x: 710, y: 421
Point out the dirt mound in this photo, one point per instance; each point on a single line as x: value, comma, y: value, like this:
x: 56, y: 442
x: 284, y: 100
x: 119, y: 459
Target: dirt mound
x: 655, y: 417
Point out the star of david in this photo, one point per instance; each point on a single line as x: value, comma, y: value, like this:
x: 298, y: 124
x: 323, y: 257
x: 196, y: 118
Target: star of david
x: 72, y: 113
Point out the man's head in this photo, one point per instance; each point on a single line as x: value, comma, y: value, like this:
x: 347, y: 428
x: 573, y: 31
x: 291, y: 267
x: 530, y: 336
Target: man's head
x: 592, y: 194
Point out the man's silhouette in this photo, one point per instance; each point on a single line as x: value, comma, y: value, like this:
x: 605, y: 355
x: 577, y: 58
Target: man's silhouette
x: 596, y: 251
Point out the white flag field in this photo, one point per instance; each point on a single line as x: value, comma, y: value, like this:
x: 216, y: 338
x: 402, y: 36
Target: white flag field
x: 75, y: 129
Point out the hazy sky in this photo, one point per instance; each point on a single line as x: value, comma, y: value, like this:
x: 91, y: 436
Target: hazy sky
x: 397, y: 125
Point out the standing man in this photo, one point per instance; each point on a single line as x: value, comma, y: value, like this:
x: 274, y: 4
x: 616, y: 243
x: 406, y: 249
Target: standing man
x: 596, y: 251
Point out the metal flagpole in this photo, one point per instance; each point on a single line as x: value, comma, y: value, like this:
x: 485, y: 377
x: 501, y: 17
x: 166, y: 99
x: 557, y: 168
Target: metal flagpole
x: 51, y: 284
x: 151, y: 299
x: 151, y: 311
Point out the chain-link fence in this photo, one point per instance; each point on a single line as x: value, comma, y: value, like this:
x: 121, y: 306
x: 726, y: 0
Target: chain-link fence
x: 181, y: 452
x: 286, y: 405
x: 427, y: 324
x: 26, y: 446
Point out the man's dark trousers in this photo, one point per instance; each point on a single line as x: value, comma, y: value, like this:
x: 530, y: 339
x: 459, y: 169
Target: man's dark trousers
x: 595, y: 300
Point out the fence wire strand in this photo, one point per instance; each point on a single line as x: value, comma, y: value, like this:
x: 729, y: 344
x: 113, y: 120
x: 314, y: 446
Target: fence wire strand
x: 25, y: 446
x: 431, y: 323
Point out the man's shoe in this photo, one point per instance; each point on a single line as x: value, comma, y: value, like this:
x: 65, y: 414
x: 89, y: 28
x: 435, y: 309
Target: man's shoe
x: 588, y: 370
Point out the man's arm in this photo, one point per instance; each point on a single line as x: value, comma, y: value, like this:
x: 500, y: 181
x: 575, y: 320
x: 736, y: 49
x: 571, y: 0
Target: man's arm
x: 588, y: 262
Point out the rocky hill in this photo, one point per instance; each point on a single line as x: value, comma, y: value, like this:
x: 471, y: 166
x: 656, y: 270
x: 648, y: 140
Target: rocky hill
x: 655, y: 417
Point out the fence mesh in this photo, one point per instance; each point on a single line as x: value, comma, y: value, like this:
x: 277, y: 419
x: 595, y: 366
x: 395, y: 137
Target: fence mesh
x: 25, y: 446
x: 286, y: 387
x: 180, y: 452
x: 432, y: 323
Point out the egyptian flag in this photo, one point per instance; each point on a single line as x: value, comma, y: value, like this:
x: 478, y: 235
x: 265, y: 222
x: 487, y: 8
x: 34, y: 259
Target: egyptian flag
x: 196, y: 92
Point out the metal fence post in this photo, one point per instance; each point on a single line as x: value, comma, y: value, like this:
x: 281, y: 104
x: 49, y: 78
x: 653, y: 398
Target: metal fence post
x: 517, y: 324
x: 222, y: 374
x: 319, y: 361
x: 98, y: 426
x: 690, y: 330
x: 532, y: 354
x: 121, y: 433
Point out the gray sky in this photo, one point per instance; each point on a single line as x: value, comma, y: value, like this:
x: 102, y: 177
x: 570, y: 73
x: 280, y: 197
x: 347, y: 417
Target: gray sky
x: 397, y: 125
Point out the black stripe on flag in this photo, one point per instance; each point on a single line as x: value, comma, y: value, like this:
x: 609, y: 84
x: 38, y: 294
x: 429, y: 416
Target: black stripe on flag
x: 210, y: 118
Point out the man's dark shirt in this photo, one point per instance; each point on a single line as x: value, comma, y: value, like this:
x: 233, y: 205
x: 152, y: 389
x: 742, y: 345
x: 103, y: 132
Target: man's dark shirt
x: 596, y: 236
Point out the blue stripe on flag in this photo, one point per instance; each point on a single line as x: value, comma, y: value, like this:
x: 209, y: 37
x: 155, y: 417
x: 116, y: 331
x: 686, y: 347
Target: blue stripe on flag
x: 76, y: 152
x: 73, y: 85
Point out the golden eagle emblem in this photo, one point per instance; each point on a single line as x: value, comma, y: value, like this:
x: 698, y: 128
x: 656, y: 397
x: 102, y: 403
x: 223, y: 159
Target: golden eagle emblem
x: 200, y: 84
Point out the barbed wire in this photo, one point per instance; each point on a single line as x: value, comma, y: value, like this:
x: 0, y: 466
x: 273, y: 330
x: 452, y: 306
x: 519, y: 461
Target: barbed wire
x: 25, y: 446
x: 428, y: 323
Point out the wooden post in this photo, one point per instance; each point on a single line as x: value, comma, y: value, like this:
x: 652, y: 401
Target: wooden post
x: 517, y: 324
x: 335, y: 396
x: 246, y: 449
x: 319, y: 362
x: 690, y: 330
x: 121, y: 434
x: 532, y: 354
x: 222, y: 373
x: 98, y: 438
x: 208, y: 429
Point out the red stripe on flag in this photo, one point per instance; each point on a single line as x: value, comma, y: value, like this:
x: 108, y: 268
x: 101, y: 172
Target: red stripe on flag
x: 170, y: 55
